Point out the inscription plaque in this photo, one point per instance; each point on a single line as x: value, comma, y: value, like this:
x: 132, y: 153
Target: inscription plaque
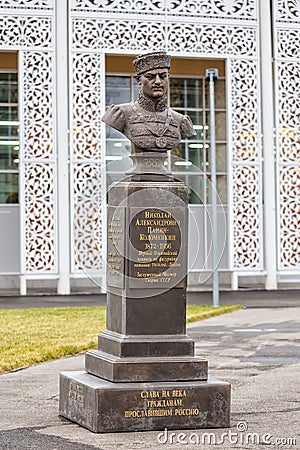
x: 162, y: 403
x: 156, y: 254
x: 115, y: 246
x: 76, y: 392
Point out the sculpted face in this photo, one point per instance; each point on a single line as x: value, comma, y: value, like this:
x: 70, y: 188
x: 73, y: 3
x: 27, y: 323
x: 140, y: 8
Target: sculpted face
x: 154, y: 83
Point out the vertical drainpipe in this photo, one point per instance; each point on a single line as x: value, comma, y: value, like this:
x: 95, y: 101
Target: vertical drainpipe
x: 212, y: 76
x: 267, y: 105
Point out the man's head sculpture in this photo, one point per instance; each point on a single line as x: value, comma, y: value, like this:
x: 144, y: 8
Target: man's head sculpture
x: 148, y: 122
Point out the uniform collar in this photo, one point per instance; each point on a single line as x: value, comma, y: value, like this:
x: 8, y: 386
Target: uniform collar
x: 149, y: 105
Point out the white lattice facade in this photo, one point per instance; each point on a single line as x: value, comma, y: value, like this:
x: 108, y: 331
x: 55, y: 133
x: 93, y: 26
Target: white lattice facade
x: 220, y: 29
x: 186, y: 28
x: 287, y: 126
x: 28, y: 27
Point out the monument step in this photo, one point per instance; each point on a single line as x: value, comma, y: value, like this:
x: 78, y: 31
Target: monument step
x: 138, y: 369
x: 145, y: 345
x: 103, y: 407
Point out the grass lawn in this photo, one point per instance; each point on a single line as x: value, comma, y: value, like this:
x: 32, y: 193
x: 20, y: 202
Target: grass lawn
x: 29, y: 336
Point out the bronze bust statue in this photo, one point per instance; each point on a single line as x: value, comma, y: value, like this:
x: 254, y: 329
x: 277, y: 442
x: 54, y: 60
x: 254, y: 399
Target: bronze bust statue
x: 148, y: 122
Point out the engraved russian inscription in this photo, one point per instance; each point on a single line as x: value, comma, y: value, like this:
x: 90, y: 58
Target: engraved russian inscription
x: 76, y: 392
x: 156, y: 241
x: 173, y: 402
x: 115, y: 246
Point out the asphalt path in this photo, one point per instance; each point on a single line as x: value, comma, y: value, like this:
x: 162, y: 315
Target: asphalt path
x: 257, y: 350
x: 248, y: 298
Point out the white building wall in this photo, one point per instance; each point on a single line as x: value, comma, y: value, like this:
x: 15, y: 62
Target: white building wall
x: 222, y: 29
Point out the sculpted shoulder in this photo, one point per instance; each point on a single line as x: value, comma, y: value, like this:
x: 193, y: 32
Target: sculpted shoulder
x: 176, y: 115
x: 186, y: 125
x: 116, y: 115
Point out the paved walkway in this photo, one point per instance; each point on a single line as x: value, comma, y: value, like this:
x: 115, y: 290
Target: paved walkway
x: 248, y: 298
x: 257, y: 350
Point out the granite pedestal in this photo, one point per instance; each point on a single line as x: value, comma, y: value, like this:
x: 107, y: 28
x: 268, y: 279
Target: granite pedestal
x: 144, y: 375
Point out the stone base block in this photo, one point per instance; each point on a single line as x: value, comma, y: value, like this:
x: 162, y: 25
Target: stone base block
x: 133, y: 369
x: 102, y: 406
x: 143, y: 345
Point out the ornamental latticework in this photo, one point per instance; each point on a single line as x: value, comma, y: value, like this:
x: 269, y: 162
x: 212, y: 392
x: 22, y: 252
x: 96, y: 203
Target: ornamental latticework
x: 226, y: 29
x: 287, y: 88
x: 21, y: 27
x: 161, y: 28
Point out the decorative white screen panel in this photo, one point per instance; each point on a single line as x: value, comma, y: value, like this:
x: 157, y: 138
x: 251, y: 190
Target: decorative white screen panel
x: 32, y: 34
x: 288, y: 43
x: 246, y: 164
x: 38, y: 163
x: 116, y: 6
x: 25, y: 32
x: 87, y: 217
x: 245, y: 112
x: 86, y: 162
x: 287, y: 10
x: 86, y: 117
x: 289, y: 217
x: 237, y: 9
x: 287, y: 85
x: 39, y: 229
x: 185, y: 28
x: 38, y: 121
x: 197, y: 38
x: 27, y: 4
x: 129, y: 35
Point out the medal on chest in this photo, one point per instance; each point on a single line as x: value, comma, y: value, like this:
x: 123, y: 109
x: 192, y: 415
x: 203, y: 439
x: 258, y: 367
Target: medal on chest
x: 161, y: 142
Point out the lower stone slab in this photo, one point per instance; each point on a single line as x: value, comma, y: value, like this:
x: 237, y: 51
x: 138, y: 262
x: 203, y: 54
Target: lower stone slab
x: 114, y: 369
x: 103, y: 406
